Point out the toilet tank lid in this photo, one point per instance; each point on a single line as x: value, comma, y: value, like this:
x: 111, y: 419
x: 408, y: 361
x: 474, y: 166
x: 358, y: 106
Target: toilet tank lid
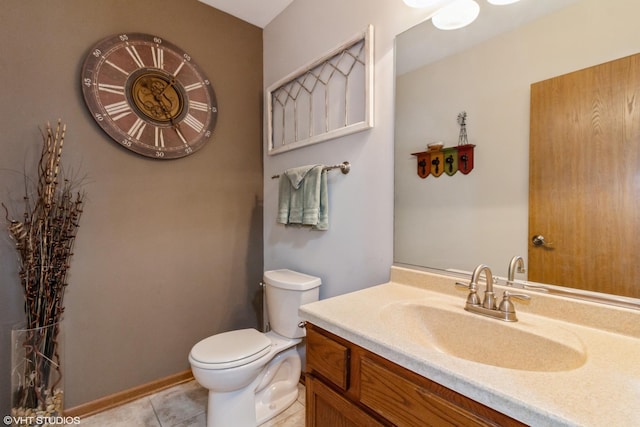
x: 289, y: 279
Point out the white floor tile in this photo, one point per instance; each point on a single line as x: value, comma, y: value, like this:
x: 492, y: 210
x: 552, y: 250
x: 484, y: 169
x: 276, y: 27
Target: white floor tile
x: 181, y: 406
x: 179, y: 403
x: 199, y: 420
x: 289, y: 418
x: 138, y: 413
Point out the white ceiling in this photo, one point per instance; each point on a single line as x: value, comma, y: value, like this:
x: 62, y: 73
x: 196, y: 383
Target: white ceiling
x: 256, y: 12
x: 424, y: 44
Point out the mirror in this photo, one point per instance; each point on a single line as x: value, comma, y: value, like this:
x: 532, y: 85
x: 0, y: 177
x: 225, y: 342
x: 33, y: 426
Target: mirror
x: 456, y: 222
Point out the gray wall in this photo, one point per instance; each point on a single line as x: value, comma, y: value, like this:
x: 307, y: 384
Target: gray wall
x: 168, y: 252
x: 357, y: 250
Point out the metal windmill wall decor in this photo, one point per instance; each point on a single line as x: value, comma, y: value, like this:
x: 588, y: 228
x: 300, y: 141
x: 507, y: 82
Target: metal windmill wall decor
x: 449, y: 160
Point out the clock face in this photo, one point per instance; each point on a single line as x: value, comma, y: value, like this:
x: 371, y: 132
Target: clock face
x: 149, y: 95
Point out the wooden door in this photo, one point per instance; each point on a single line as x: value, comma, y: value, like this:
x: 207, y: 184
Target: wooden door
x: 584, y: 179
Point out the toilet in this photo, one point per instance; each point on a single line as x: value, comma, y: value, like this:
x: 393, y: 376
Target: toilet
x: 253, y: 376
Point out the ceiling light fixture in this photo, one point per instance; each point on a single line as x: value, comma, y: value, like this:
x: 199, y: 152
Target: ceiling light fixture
x: 421, y: 3
x: 501, y: 2
x: 456, y: 15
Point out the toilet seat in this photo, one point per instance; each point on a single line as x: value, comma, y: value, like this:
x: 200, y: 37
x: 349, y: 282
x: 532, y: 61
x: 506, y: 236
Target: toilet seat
x: 230, y: 349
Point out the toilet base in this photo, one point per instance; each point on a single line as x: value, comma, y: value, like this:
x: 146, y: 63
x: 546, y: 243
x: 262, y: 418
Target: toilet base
x: 266, y: 412
x: 275, y: 389
x: 282, y: 378
x: 235, y: 407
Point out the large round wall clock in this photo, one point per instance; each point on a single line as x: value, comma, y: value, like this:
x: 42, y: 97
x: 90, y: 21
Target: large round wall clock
x: 149, y: 95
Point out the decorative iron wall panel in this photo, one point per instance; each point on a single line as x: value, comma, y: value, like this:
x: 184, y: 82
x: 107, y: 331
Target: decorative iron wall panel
x: 329, y: 98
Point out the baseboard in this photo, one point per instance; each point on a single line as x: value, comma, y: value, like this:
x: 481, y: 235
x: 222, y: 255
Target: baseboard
x: 120, y: 398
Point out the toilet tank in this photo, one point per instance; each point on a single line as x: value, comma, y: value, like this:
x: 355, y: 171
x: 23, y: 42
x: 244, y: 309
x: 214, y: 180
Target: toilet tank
x: 286, y: 291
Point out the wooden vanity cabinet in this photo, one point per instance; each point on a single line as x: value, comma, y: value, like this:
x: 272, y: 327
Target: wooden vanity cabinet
x: 348, y: 386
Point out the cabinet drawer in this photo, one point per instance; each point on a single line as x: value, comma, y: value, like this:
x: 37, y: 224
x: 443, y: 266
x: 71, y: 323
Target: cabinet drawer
x: 405, y: 403
x: 328, y: 358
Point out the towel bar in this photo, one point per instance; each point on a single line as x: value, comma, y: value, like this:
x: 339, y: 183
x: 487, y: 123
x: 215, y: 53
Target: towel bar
x: 345, y: 167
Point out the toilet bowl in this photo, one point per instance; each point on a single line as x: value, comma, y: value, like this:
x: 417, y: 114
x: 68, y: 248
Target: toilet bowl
x: 253, y: 376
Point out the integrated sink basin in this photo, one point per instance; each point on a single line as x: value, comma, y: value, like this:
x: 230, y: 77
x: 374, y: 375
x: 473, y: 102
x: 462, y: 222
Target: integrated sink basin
x: 565, y: 362
x: 521, y: 345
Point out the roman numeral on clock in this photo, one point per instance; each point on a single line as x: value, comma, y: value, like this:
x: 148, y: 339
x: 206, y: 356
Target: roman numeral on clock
x: 175, y: 73
x: 193, y: 86
x: 121, y: 108
x: 135, y: 56
x: 118, y: 90
x: 158, y: 57
x: 159, y: 138
x: 137, y: 128
x: 197, y: 105
x: 116, y: 67
x: 193, y: 123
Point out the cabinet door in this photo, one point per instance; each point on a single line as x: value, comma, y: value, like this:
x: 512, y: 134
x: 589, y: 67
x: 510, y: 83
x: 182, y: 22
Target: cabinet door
x: 325, y: 407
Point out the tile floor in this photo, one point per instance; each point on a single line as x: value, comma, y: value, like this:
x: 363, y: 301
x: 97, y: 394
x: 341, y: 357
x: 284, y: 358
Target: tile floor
x: 180, y: 406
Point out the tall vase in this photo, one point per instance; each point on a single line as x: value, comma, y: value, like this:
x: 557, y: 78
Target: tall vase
x: 37, y: 386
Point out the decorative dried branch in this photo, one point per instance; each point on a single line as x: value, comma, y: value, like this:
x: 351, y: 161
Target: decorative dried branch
x: 44, y: 239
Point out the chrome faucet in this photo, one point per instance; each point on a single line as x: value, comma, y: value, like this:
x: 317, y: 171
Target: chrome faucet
x: 506, y: 311
x: 489, y: 300
x: 516, y: 263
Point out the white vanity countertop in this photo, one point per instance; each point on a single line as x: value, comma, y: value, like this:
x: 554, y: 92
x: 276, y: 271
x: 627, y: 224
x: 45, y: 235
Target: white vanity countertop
x: 604, y: 391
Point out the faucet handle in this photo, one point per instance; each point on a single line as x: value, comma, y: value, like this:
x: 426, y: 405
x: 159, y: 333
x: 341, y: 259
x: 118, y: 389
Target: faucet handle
x: 506, y: 305
x: 472, y: 298
x: 463, y: 285
x: 517, y: 296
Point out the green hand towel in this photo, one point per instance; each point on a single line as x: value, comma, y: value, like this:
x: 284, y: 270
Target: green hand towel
x: 303, y: 197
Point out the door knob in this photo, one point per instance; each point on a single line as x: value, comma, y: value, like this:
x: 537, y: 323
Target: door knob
x: 538, y: 240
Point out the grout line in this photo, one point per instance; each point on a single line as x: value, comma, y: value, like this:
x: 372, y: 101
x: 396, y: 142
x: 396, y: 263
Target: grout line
x: 153, y: 408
